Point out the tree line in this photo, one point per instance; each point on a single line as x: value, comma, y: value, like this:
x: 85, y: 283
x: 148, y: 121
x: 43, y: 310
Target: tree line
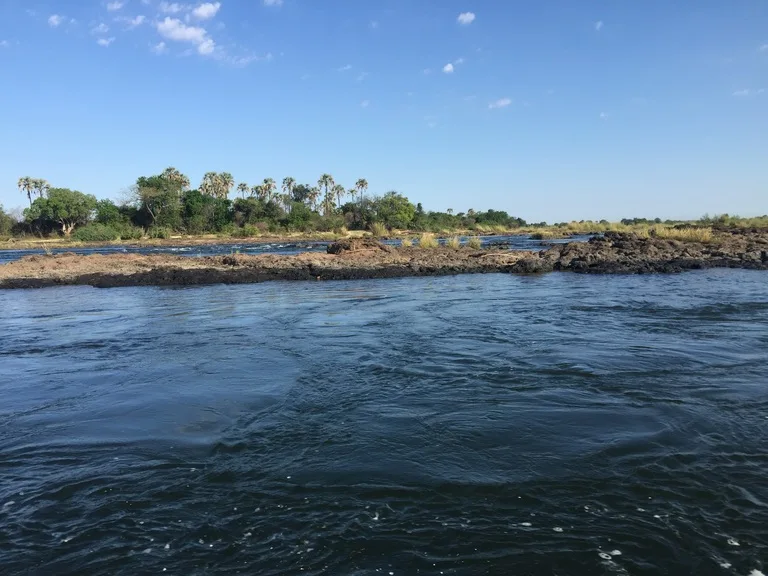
x: 164, y: 204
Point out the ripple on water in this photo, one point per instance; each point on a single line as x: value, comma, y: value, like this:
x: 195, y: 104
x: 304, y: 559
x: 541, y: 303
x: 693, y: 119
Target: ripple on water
x: 476, y: 424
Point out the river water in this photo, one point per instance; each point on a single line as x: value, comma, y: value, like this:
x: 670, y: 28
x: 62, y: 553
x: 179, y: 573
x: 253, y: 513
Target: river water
x: 516, y: 242
x: 490, y: 424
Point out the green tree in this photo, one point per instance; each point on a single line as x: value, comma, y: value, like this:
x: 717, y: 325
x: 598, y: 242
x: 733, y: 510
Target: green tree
x: 288, y: 186
x: 67, y: 208
x: 107, y: 212
x: 243, y: 189
x: 395, y: 210
x: 268, y: 188
x: 362, y: 187
x: 160, y: 199
x: 173, y: 175
x: 326, y: 183
x: 339, y: 192
x: 6, y: 223
x: 226, y: 182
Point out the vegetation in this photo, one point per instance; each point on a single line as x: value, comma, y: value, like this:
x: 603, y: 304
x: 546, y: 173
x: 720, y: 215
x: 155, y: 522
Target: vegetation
x: 453, y: 242
x: 474, y: 242
x: 428, y: 240
x: 406, y: 242
x: 165, y: 205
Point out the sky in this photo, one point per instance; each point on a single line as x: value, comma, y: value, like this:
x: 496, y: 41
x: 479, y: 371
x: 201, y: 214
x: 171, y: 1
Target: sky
x: 551, y: 110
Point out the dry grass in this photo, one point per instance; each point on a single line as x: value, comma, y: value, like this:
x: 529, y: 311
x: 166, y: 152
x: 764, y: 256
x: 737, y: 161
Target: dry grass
x: 474, y: 242
x: 378, y: 229
x: 428, y: 240
x: 453, y: 242
x: 406, y: 242
x: 703, y: 235
x: 545, y: 234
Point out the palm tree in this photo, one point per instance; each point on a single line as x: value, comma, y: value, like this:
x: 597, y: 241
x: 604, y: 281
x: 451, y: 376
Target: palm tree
x: 328, y: 202
x: 210, y: 184
x: 173, y: 175
x: 339, y: 192
x: 450, y: 211
x: 226, y: 181
x: 314, y: 194
x: 40, y: 186
x: 25, y: 186
x: 258, y: 191
x: 326, y: 182
x: 243, y: 188
x: 288, y: 185
x: 362, y: 187
x: 269, y: 187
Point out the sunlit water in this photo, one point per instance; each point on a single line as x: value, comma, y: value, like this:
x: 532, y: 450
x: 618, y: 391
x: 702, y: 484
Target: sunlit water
x: 495, y: 424
x: 518, y: 242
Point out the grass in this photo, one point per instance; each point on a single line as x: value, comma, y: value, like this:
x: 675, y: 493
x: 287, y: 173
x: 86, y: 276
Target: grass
x: 687, y: 234
x: 428, y: 240
x: 453, y: 242
x: 378, y: 230
x: 546, y: 234
x: 474, y: 242
x: 406, y: 242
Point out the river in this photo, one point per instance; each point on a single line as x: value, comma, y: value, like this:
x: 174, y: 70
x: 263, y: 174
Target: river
x: 490, y: 424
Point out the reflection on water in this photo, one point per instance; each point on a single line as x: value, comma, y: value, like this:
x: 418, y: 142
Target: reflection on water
x: 493, y: 424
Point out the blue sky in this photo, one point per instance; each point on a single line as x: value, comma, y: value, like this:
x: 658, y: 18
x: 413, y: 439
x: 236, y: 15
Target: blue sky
x: 549, y: 109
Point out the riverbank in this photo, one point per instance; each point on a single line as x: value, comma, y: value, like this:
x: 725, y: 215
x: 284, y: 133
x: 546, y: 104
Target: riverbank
x: 366, y: 258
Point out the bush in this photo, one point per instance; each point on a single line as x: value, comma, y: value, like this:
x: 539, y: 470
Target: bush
x: 95, y: 233
x: 247, y: 231
x: 427, y: 240
x: 378, y: 229
x: 160, y: 233
x: 453, y: 242
x: 128, y: 232
x: 406, y: 242
x: 474, y: 242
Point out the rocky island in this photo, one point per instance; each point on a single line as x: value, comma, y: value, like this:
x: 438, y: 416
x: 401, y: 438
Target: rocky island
x: 610, y: 253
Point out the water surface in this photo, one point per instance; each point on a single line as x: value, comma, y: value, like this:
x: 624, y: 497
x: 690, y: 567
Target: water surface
x: 489, y: 424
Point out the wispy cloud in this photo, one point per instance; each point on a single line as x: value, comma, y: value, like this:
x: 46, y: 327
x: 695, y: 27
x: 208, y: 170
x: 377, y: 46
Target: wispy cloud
x: 105, y: 41
x: 603, y: 115
x: 500, y: 103
x: 365, y: 103
x: 134, y: 22
x: 362, y: 76
x: 466, y: 18
x: 448, y: 68
x: 599, y: 25
x: 55, y: 20
x: 100, y: 29
x: 206, y: 11
x: 175, y: 29
x: 242, y: 61
x: 748, y: 92
x: 427, y: 71
x: 273, y: 2
x: 344, y: 68
x: 171, y: 8
x: 763, y: 48
x: 374, y: 24
x: 459, y: 61
x: 4, y: 44
x: 115, y: 6
x: 160, y: 48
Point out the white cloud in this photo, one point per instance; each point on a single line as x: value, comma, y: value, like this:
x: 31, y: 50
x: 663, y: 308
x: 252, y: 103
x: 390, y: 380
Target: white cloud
x: 206, y: 11
x: 748, y: 92
x: 763, y: 48
x: 242, y: 61
x: 603, y: 115
x: 206, y: 46
x: 159, y: 48
x: 114, y: 6
x: 105, y: 41
x: 137, y: 21
x: 4, y: 44
x: 273, y: 2
x: 459, y: 61
x: 55, y: 20
x: 599, y: 25
x: 500, y: 103
x: 345, y: 68
x: 466, y: 18
x: 365, y: 104
x: 174, y: 29
x: 448, y: 68
x: 173, y: 8
x: 100, y: 29
x: 361, y: 76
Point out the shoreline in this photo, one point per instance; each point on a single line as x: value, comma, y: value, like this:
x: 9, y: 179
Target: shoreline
x: 366, y: 258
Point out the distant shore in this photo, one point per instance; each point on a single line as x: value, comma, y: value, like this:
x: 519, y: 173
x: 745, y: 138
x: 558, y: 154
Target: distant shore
x: 613, y: 253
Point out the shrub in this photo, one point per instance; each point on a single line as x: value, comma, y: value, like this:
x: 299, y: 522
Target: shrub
x: 378, y: 229
x: 247, y: 231
x: 474, y: 242
x: 160, y: 232
x: 427, y: 240
x: 406, y: 242
x: 95, y: 233
x: 683, y: 234
x: 128, y: 232
x: 453, y: 242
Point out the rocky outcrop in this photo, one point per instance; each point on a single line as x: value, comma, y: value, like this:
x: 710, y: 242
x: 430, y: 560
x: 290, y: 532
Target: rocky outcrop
x: 612, y: 253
